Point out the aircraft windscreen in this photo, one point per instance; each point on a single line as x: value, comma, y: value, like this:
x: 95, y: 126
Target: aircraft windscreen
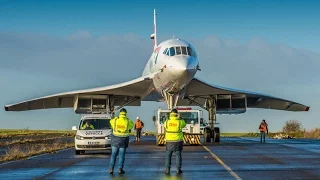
x: 190, y: 52
x: 178, y: 50
x: 96, y: 124
x: 184, y: 50
x: 172, y: 51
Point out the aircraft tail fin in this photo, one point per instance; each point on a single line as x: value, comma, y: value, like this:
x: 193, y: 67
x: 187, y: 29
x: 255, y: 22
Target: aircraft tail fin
x: 154, y: 35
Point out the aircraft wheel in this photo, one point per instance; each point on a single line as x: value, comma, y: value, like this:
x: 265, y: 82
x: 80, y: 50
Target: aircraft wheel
x: 77, y: 152
x: 207, y: 135
x: 217, y: 134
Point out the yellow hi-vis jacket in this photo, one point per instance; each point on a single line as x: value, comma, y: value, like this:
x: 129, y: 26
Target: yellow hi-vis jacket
x: 85, y: 127
x: 174, y: 128
x: 121, y: 125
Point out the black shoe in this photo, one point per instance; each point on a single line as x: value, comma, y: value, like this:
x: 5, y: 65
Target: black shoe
x: 111, y: 171
x: 167, y: 171
x: 121, y: 171
x: 179, y: 171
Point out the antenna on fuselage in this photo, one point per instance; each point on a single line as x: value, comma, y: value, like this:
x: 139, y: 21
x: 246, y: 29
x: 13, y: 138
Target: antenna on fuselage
x: 154, y: 35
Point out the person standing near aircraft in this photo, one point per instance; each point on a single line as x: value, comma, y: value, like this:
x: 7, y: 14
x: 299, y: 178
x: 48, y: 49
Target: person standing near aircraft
x: 174, y: 140
x: 138, y: 127
x: 263, y: 127
x: 121, y: 127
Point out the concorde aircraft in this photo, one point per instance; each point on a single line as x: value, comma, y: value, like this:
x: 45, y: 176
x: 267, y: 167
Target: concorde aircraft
x: 169, y: 76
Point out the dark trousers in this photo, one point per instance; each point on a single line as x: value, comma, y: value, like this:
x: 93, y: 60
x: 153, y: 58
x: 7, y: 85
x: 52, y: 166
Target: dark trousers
x: 178, y: 159
x: 262, y: 135
x: 138, y: 133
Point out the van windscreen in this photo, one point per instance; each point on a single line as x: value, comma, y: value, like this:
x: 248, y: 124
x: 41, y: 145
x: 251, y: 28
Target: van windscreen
x: 91, y: 124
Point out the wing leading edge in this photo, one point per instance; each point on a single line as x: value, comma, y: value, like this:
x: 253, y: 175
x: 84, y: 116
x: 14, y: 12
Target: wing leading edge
x: 139, y: 87
x: 198, y: 90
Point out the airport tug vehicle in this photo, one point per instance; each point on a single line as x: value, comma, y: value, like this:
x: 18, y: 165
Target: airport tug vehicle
x: 192, y: 133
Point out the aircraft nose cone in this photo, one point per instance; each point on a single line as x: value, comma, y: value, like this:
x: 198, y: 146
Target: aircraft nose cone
x: 185, y: 64
x: 185, y: 68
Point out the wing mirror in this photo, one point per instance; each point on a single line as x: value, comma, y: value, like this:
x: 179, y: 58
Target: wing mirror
x: 154, y: 118
x: 74, y: 128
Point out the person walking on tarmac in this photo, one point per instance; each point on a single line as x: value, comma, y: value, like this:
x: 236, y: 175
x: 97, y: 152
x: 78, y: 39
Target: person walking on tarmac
x: 174, y: 140
x: 121, y: 127
x: 263, y: 127
x: 138, y: 127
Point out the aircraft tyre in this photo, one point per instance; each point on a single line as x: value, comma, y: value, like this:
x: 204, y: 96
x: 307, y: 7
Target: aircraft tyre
x: 207, y: 134
x: 216, y: 135
x: 77, y: 152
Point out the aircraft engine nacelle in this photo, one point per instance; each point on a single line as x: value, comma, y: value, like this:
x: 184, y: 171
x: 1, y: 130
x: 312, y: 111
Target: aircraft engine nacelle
x: 231, y: 104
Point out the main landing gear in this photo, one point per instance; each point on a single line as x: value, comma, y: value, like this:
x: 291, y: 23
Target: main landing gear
x: 211, y: 133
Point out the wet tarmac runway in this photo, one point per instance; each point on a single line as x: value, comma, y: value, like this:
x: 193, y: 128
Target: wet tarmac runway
x: 233, y: 158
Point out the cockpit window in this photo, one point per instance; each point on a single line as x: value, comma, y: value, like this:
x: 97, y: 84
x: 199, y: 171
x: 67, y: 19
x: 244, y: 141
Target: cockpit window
x: 178, y: 50
x: 190, y: 52
x: 184, y: 50
x: 165, y: 51
x: 172, y: 52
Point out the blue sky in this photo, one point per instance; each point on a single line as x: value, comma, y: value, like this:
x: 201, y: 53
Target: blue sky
x: 48, y: 47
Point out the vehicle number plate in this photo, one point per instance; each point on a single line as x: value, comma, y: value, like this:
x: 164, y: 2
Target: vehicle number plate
x: 91, y: 143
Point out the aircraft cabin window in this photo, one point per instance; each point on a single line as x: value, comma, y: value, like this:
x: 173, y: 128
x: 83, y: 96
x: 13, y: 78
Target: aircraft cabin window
x: 178, y: 50
x: 184, y: 50
x: 172, y: 52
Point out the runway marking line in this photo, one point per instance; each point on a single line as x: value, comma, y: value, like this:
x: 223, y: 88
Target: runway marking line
x: 222, y: 163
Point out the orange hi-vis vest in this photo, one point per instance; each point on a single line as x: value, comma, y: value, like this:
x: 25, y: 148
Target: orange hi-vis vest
x: 139, y: 125
x: 263, y: 127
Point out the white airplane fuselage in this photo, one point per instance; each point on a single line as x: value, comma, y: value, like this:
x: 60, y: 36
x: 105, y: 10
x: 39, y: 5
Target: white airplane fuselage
x: 174, y: 63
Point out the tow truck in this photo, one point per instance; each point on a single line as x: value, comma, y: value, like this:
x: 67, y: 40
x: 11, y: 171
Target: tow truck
x: 192, y: 131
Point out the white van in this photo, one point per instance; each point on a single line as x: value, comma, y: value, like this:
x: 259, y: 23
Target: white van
x: 96, y: 136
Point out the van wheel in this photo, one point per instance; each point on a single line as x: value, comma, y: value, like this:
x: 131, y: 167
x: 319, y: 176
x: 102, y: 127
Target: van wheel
x: 77, y: 152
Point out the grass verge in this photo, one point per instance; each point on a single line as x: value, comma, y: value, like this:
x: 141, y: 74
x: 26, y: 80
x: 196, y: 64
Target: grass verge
x: 27, y: 141
x: 9, y: 133
x: 23, y: 151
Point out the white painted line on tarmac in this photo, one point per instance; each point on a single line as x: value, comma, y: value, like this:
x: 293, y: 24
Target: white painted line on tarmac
x: 222, y: 163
